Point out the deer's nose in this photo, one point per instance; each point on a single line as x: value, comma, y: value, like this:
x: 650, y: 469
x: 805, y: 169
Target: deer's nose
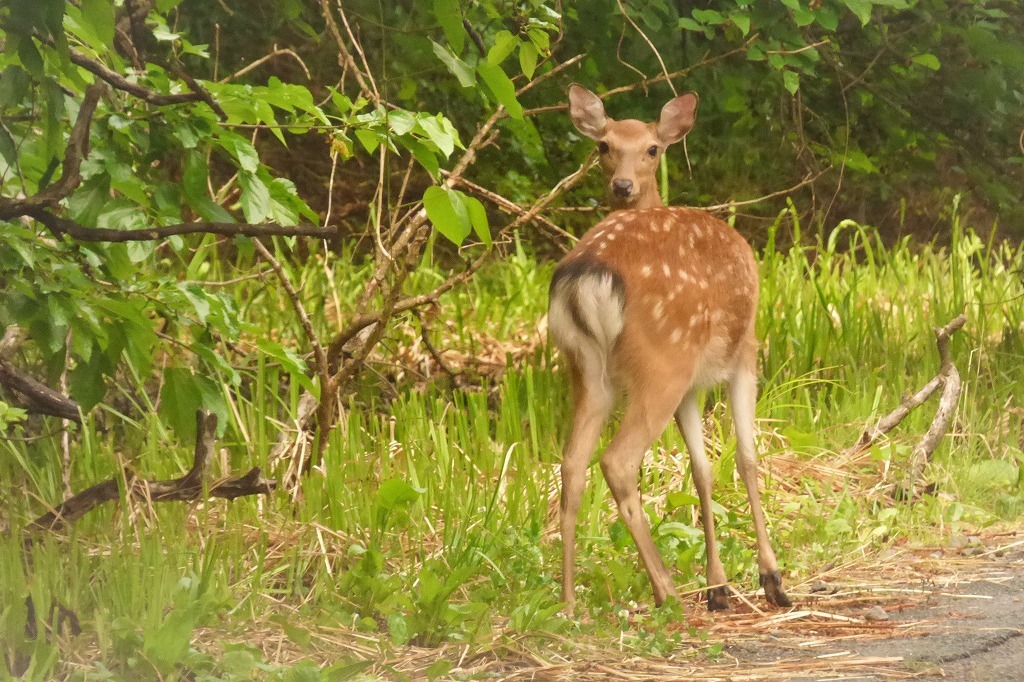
x: 622, y: 188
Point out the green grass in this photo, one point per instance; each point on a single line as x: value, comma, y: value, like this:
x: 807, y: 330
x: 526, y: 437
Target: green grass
x: 431, y: 520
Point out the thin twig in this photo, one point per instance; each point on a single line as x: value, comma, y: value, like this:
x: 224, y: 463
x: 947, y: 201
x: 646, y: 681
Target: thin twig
x: 265, y: 58
x: 733, y: 204
x: 668, y: 79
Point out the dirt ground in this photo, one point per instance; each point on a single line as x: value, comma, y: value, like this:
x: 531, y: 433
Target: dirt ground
x: 954, y: 612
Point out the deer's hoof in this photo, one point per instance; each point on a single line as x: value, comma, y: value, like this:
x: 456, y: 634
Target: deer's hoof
x: 773, y: 592
x: 718, y: 598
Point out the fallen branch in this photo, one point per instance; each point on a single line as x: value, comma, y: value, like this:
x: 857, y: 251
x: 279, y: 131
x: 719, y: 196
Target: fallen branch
x: 922, y: 453
x: 189, y: 487
x: 38, y: 397
x: 62, y: 226
x: 948, y: 378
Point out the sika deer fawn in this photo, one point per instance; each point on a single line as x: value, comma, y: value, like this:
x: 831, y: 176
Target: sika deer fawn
x: 658, y: 303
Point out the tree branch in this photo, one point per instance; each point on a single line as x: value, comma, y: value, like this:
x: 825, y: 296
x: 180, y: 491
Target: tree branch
x: 187, y: 488
x: 62, y: 226
x: 71, y: 177
x: 119, y: 82
x: 39, y: 397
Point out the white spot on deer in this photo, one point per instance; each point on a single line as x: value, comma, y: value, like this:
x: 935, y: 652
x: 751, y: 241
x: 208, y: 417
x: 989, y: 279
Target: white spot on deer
x: 659, y: 310
x: 684, y: 275
x: 646, y: 271
x: 666, y: 226
x: 618, y: 227
x: 677, y: 335
x: 602, y: 246
x: 703, y: 284
x: 610, y: 237
x: 666, y: 269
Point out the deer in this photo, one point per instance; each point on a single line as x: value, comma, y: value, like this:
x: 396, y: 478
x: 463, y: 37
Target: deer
x: 656, y: 303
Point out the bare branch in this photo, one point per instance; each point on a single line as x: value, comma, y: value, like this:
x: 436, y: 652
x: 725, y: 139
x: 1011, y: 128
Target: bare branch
x: 668, y: 78
x: 265, y: 58
x: 782, y: 192
x: 949, y: 380
x: 62, y: 226
x: 39, y: 397
x: 188, y: 487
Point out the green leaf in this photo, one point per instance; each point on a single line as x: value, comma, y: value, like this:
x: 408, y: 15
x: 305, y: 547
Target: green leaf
x: 927, y: 60
x: 862, y: 8
x: 742, y: 22
x: 99, y: 15
x: 449, y: 15
x: 828, y: 18
x: 528, y: 59
x: 458, y: 68
x: 708, y: 16
x: 182, y: 394
x: 689, y: 24
x: 478, y: 217
x: 14, y: 85
x: 437, y: 133
x: 290, y: 361
x: 30, y: 57
x: 452, y: 222
x: 791, y: 79
x: 255, y: 198
x: 401, y: 121
x: 501, y: 86
x: 680, y: 499
x: 393, y: 494
x: 248, y: 158
x: 504, y: 44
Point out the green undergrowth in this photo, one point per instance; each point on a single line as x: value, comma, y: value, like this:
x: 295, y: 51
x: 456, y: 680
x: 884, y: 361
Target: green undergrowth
x: 431, y: 520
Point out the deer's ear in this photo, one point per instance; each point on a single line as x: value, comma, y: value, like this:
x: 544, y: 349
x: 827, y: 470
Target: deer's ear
x: 587, y: 112
x: 677, y: 118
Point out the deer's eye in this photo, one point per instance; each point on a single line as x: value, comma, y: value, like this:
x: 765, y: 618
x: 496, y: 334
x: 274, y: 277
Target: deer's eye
x: 602, y: 147
x: 653, y: 151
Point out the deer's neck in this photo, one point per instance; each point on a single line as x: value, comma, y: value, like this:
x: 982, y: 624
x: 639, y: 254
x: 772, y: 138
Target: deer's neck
x: 649, y: 200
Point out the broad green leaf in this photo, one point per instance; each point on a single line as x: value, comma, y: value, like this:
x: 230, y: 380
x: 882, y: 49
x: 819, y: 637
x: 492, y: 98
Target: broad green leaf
x: 458, y: 68
x: 862, y: 8
x: 248, y: 158
x: 441, y: 208
x: 501, y: 86
x: 708, y: 16
x: 255, y: 199
x: 425, y: 156
x: 504, y: 44
x: 828, y: 18
x: 528, y: 59
x: 742, y: 22
x: 99, y: 15
x: 14, y: 86
x: 438, y: 134
x: 290, y: 361
x: 401, y: 121
x: 449, y: 15
x: 927, y: 60
x: 791, y: 79
x: 478, y: 217
x: 182, y: 394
